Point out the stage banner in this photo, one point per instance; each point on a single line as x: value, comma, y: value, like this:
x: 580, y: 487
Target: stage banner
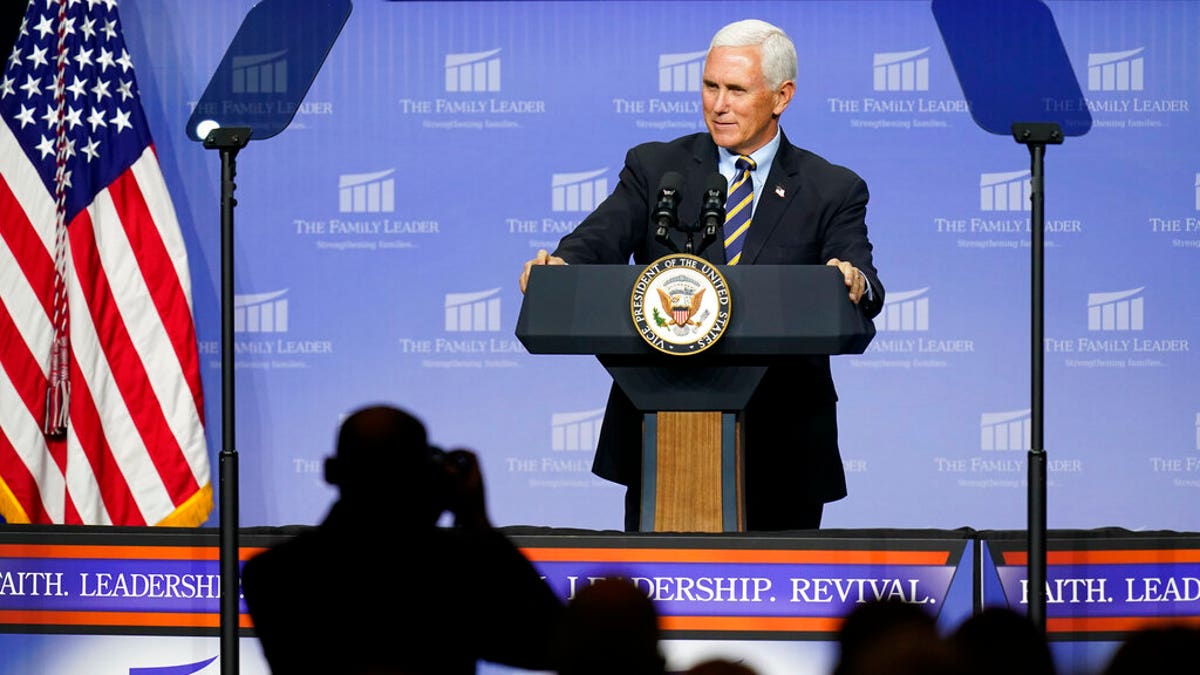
x: 1101, y: 586
x: 776, y: 601
x: 782, y: 588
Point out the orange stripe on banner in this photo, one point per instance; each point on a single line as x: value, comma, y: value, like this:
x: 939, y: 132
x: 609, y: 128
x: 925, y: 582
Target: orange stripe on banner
x: 705, y: 555
x: 101, y: 552
x: 766, y: 624
x: 1164, y: 555
x: 85, y: 420
x: 128, y: 371
x: 146, y: 619
x: 1116, y: 624
x: 165, y: 290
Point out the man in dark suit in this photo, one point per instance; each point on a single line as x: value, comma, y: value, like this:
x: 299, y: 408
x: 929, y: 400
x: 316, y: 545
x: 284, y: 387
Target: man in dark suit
x: 805, y: 211
x: 378, y: 587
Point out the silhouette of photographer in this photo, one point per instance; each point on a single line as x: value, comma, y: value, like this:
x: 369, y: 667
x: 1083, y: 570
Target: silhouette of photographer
x: 379, y: 587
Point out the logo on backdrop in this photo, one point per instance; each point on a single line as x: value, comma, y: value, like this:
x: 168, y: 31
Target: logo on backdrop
x: 906, y: 311
x: 1118, y: 334
x: 1005, y: 438
x: 677, y: 109
x: 902, y: 71
x: 1117, y: 86
x: 472, y: 83
x: 479, y: 71
x: 1116, y: 311
x: 367, y: 192
x: 1005, y: 191
x: 680, y: 304
x: 896, y: 100
x: 577, y: 192
x: 1000, y: 431
x: 681, y: 72
x: 573, y: 437
x: 470, y: 326
x: 1002, y: 219
x: 263, y: 336
x: 1177, y: 230
x: 1182, y: 470
x: 575, y: 431
x: 260, y: 313
x: 1116, y: 71
x: 903, y: 339
x: 366, y: 204
x: 477, y: 312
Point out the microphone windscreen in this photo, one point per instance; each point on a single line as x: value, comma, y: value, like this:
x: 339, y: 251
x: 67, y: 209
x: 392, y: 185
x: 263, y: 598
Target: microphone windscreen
x: 671, y: 180
x: 716, y: 183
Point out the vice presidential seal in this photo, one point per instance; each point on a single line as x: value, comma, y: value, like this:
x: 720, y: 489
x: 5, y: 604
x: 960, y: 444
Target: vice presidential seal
x: 680, y: 304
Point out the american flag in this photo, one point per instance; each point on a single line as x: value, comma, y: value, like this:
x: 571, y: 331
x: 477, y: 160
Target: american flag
x: 101, y: 412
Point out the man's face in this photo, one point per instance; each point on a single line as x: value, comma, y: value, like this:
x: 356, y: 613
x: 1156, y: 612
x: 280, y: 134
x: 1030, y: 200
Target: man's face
x: 738, y: 106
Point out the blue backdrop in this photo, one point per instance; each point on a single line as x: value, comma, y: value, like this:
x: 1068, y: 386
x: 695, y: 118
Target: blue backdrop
x: 380, y: 237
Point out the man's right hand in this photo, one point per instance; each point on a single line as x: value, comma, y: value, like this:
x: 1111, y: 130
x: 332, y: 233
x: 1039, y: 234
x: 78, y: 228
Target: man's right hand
x: 543, y: 258
x: 466, y: 499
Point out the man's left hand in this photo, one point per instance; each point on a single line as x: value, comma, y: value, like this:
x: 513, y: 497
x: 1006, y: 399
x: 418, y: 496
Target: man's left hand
x: 855, y: 280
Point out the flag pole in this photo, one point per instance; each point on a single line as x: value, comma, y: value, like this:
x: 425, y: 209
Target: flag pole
x: 228, y: 141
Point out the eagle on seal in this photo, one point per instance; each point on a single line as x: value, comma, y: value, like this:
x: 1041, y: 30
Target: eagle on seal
x: 681, y: 307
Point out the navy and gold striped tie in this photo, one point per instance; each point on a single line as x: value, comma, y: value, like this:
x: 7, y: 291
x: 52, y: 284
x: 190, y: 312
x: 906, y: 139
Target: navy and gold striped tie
x: 737, y: 210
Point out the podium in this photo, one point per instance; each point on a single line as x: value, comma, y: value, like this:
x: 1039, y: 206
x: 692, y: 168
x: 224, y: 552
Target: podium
x: 692, y: 433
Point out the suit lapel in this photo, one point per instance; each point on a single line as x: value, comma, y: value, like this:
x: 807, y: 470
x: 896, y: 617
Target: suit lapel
x: 703, y: 164
x: 777, y: 192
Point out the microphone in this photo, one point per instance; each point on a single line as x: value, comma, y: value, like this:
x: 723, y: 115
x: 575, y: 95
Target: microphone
x: 712, y: 213
x: 666, y: 210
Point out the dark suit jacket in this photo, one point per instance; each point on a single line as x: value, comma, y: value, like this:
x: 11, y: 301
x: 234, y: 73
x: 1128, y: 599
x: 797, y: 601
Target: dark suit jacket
x: 809, y: 211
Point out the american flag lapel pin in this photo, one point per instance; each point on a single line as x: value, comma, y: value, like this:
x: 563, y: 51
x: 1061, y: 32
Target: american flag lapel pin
x: 780, y: 191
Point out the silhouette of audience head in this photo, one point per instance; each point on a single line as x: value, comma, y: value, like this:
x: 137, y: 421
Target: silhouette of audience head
x: 383, y: 463
x: 1000, y: 640
x: 1158, y: 649
x: 720, y: 666
x: 610, y: 626
x: 893, y: 637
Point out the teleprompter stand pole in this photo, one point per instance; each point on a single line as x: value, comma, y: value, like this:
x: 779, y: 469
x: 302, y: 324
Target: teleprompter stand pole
x: 228, y: 141
x: 1037, y: 135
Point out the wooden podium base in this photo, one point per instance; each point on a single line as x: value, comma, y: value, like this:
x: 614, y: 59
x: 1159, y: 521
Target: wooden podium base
x: 691, y: 473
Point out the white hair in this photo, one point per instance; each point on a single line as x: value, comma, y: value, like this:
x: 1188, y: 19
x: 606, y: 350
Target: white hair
x: 778, y: 52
